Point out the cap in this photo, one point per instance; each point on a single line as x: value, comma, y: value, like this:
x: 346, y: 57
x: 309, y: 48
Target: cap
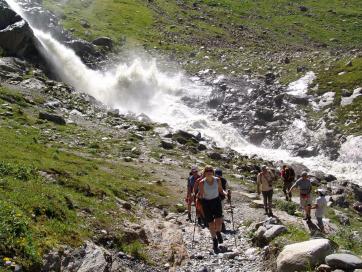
x: 218, y: 172
x: 321, y: 190
x: 194, y: 168
x: 263, y: 167
x: 304, y: 174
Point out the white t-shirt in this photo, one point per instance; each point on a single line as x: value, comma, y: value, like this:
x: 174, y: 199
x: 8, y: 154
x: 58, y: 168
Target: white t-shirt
x: 321, y: 206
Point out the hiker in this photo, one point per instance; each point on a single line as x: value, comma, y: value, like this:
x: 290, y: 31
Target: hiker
x: 320, y: 206
x: 210, y: 189
x: 198, y: 205
x: 288, y: 176
x: 305, y: 188
x: 224, y: 184
x: 265, y: 183
x: 194, y: 175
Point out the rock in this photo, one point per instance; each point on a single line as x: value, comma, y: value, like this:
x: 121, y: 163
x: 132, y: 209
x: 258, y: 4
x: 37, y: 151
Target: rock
x: 7, y: 16
x: 340, y: 201
x: 201, y: 147
x: 256, y: 137
x: 215, y: 156
x: 18, y: 40
x: 330, y: 178
x: 167, y: 144
x: 342, y: 218
x: 103, y: 41
x: 52, y: 118
x: 88, y: 258
x: 83, y: 49
x: 274, y: 231
x: 269, y: 78
x: 324, y: 268
x: 347, y: 262
x: 84, y: 23
x: 358, y: 207
x: 265, y: 114
x: 304, y: 255
x: 358, y: 193
x: 303, y: 8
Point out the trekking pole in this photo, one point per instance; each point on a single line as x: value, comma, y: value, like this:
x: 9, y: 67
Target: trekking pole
x: 232, y: 218
x: 193, y: 234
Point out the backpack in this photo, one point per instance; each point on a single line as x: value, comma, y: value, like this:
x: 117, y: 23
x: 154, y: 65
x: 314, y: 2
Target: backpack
x: 289, y: 174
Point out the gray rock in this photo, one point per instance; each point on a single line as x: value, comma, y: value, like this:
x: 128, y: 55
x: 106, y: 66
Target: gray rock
x: 103, y: 41
x: 274, y: 231
x: 167, y: 144
x: 302, y: 256
x: 52, y: 118
x: 18, y: 40
x: 324, y: 268
x: 344, y: 261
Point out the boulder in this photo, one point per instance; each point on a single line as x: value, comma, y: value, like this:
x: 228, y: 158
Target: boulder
x: 304, y: 255
x: 7, y: 15
x: 103, y: 41
x: 265, y: 114
x: 274, y: 231
x: 167, y: 144
x: 52, y: 118
x: 88, y: 258
x: 347, y: 262
x: 18, y: 40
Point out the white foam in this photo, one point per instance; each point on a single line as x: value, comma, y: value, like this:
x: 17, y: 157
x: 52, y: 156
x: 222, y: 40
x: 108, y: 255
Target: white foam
x: 300, y: 87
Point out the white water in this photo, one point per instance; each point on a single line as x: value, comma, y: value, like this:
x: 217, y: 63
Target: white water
x: 140, y: 87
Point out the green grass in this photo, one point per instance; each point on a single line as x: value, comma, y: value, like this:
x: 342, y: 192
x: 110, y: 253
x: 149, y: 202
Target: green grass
x: 77, y: 195
x: 293, y: 235
x: 279, y: 23
x: 349, y: 118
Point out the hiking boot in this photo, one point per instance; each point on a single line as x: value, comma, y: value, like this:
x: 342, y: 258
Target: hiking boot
x: 266, y: 212
x: 199, y: 221
x: 215, y: 245
x: 219, y: 237
x: 223, y: 228
x: 271, y: 214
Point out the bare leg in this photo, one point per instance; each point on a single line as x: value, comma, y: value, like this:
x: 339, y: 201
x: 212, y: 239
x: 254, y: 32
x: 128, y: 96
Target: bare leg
x: 218, y: 224
x: 212, y: 229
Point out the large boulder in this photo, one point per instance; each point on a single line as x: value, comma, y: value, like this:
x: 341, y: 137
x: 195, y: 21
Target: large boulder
x: 18, y: 40
x: 304, y: 255
x: 88, y: 258
x: 59, y: 120
x: 7, y: 16
x: 274, y: 231
x: 347, y: 262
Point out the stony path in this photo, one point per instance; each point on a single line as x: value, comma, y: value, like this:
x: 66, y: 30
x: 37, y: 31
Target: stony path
x: 242, y: 257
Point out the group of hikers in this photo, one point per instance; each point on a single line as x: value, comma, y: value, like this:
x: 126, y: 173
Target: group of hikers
x: 208, y: 191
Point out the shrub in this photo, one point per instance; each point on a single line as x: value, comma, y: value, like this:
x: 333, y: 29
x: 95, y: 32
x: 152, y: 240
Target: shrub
x: 287, y: 206
x: 15, y: 236
x: 21, y: 172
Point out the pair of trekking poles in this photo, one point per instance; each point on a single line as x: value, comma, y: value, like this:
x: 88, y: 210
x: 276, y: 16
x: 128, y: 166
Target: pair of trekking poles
x: 232, y: 220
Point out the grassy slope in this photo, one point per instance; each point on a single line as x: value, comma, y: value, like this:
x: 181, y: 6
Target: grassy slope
x: 39, y: 213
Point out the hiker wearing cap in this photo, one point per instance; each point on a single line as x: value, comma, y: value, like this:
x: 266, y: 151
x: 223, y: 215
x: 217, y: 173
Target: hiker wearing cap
x: 224, y: 184
x: 194, y: 175
x: 320, y: 206
x: 210, y: 189
x: 305, y: 188
x: 264, y: 184
x: 288, y: 176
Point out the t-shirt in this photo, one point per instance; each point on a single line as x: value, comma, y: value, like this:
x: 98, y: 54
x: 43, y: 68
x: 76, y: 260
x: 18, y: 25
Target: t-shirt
x: 321, y: 206
x: 305, y: 186
x: 191, y: 182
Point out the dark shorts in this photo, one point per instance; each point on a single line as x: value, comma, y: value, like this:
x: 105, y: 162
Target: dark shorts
x: 212, y: 209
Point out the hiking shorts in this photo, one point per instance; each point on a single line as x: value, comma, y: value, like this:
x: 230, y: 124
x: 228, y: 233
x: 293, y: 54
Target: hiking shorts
x: 212, y: 209
x: 305, y: 200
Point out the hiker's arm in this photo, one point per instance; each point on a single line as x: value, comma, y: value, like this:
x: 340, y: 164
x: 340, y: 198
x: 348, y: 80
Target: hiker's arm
x: 201, y: 189
x: 293, y: 186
